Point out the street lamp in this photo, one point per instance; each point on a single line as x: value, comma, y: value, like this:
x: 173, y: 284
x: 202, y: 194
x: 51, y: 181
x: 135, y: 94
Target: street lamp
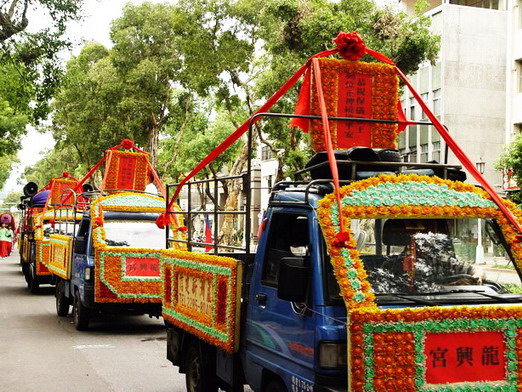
x: 479, y: 252
x: 481, y: 165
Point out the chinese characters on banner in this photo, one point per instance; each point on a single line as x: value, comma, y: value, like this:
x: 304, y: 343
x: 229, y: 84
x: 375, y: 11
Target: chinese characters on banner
x: 464, y: 357
x: 195, y: 293
x: 126, y: 171
x: 137, y: 267
x: 355, y: 100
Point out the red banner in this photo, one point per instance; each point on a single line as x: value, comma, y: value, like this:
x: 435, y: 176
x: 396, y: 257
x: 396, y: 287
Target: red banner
x: 355, y: 100
x: 127, y: 166
x: 147, y: 266
x: 464, y: 357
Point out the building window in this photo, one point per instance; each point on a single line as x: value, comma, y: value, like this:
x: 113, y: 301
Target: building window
x: 266, y: 153
x: 519, y: 75
x: 424, y: 97
x: 490, y: 4
x: 412, y: 156
x: 424, y: 153
x: 437, y: 102
x: 412, y: 109
x: 436, y: 151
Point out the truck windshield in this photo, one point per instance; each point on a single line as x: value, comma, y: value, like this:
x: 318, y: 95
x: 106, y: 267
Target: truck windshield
x: 424, y: 256
x: 134, y: 234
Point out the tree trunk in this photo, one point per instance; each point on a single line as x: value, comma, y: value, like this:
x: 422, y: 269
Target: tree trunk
x: 235, y: 191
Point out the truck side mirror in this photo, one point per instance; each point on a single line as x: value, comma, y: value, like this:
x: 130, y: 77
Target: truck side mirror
x: 80, y: 245
x: 292, y: 282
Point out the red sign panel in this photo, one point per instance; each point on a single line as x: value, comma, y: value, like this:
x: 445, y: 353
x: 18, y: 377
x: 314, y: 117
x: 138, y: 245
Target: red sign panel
x: 464, y: 357
x: 126, y: 172
x: 355, y: 100
x: 147, y: 266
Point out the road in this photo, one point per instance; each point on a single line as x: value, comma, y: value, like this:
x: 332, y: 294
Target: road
x: 40, y: 351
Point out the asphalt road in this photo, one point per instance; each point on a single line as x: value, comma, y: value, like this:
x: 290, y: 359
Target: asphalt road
x: 40, y: 351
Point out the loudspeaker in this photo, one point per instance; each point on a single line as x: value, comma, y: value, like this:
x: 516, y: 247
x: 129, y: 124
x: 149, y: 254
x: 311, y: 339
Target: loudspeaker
x: 87, y: 188
x: 30, y: 189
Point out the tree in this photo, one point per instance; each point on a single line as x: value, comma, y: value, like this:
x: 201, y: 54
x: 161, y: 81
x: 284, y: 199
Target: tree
x: 511, y: 161
x: 29, y: 67
x: 6, y: 164
x: 123, y: 92
x: 294, y: 30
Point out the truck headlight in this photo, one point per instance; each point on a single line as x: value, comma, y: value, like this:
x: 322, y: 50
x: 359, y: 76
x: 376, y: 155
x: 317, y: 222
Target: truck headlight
x: 332, y: 355
x: 88, y: 273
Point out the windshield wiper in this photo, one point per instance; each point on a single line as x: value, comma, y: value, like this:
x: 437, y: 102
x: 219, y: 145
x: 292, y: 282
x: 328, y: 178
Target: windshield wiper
x: 517, y: 298
x: 408, y: 298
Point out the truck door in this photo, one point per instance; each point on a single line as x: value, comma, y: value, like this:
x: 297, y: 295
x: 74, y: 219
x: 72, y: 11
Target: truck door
x: 280, y: 336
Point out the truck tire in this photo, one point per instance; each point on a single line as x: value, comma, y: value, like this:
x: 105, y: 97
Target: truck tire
x: 80, y: 314
x: 62, y: 302
x: 275, y: 385
x: 34, y: 284
x: 25, y: 270
x: 199, y: 378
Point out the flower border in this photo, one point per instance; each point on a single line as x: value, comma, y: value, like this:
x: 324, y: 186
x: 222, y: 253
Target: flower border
x: 385, y: 95
x: 400, y: 196
x: 111, y: 286
x: 140, y: 172
x: 222, y: 330
x: 402, y: 332
x: 60, y: 248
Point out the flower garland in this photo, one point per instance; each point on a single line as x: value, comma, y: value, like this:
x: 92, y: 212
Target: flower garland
x: 60, y: 255
x: 201, y: 295
x: 43, y: 254
x: 126, y: 170
x: 382, y: 337
x: 59, y: 187
x: 397, y: 337
x: 114, y: 284
x: 384, y: 93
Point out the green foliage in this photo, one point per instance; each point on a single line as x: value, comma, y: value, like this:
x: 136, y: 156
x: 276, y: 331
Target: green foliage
x: 196, y: 70
x: 53, y: 165
x: 32, y: 57
x: 511, y: 160
x: 12, y: 197
x: 6, y: 164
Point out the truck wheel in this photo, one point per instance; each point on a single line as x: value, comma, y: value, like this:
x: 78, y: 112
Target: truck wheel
x: 275, y: 385
x: 62, y: 302
x: 80, y: 314
x: 34, y: 284
x: 25, y: 271
x: 199, y: 378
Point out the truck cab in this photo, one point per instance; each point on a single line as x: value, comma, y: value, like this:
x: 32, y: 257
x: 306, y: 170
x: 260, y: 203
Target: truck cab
x: 109, y: 262
x: 295, y: 329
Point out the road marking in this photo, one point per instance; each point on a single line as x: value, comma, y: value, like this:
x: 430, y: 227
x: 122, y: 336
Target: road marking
x: 87, y: 346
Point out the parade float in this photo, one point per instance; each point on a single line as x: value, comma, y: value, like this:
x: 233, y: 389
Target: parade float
x: 360, y: 280
x: 110, y: 262
x: 40, y: 210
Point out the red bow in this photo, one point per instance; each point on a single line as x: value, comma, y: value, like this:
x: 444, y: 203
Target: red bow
x: 351, y: 46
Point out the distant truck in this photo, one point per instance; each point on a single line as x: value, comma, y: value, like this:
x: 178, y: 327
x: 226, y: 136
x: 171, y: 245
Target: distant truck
x: 109, y: 261
x: 368, y: 287
x: 40, y: 209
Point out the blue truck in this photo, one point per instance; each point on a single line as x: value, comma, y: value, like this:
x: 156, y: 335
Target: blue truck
x: 291, y: 333
x: 371, y: 274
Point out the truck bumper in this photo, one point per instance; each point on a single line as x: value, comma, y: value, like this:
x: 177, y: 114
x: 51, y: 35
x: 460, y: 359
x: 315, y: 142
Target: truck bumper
x: 153, y: 309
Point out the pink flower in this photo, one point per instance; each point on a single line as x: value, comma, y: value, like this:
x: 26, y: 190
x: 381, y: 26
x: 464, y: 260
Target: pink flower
x: 351, y: 45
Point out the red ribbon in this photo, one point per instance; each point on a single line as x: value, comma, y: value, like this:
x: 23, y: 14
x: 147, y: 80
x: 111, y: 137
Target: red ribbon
x: 350, y: 46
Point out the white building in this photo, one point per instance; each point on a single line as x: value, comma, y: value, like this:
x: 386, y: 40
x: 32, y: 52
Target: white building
x: 475, y: 88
